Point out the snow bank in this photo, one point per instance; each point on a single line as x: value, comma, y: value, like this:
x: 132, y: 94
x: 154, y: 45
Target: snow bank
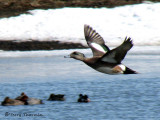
x: 141, y: 22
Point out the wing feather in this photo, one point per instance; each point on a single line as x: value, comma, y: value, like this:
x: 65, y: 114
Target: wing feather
x: 117, y: 55
x: 98, y: 48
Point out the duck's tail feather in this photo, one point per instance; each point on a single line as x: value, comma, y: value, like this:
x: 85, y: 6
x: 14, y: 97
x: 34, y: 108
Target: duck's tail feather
x: 129, y: 71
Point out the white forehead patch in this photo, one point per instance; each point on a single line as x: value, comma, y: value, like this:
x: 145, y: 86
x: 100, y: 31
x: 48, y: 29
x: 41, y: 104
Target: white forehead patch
x: 122, y: 67
x: 98, y: 47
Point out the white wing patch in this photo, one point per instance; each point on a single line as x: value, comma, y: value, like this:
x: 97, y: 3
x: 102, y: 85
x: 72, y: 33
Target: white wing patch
x: 122, y: 67
x: 98, y: 47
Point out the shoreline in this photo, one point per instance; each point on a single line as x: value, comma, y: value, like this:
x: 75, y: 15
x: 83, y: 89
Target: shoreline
x: 16, y: 7
x: 10, y: 8
x: 38, y: 45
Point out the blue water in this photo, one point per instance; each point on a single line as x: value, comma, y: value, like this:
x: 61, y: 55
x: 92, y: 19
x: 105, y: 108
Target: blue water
x: 113, y: 97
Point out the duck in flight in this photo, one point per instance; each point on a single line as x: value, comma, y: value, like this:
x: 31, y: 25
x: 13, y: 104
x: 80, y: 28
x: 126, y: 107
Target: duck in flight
x: 104, y: 60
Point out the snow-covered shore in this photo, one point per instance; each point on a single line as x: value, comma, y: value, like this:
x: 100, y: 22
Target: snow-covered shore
x: 141, y: 22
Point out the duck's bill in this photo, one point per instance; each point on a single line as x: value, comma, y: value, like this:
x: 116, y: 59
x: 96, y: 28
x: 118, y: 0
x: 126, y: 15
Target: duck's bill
x: 68, y: 56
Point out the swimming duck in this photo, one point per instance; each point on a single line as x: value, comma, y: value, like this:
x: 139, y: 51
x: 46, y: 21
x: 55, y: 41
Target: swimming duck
x: 23, y: 99
x: 58, y: 97
x: 7, y: 102
x: 83, y: 98
x: 104, y: 60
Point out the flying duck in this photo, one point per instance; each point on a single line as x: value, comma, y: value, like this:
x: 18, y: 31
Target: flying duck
x: 104, y: 60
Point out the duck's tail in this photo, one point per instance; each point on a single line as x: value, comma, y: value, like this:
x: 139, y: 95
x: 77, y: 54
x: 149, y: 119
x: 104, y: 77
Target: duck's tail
x: 129, y: 71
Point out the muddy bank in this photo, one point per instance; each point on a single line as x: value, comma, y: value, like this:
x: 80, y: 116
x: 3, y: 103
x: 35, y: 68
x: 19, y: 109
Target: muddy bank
x: 37, y: 45
x: 15, y: 7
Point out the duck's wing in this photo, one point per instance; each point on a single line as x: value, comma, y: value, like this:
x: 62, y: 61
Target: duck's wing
x: 117, y: 55
x: 95, y: 41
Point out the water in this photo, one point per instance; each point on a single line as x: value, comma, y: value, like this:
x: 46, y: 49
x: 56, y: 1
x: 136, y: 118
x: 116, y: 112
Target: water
x: 40, y: 73
x: 113, y: 97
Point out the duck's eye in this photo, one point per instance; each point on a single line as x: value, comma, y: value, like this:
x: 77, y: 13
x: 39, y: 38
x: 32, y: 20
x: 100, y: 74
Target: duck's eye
x: 75, y: 53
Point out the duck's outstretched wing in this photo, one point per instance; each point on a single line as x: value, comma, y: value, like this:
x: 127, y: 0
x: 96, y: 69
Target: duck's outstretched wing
x: 117, y: 55
x: 95, y: 41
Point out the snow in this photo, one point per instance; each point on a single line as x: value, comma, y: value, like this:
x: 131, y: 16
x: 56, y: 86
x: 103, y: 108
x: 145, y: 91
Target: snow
x: 140, y: 22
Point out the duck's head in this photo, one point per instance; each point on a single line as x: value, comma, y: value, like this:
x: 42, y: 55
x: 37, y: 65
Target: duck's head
x: 22, y: 93
x: 77, y: 55
x: 7, y: 99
